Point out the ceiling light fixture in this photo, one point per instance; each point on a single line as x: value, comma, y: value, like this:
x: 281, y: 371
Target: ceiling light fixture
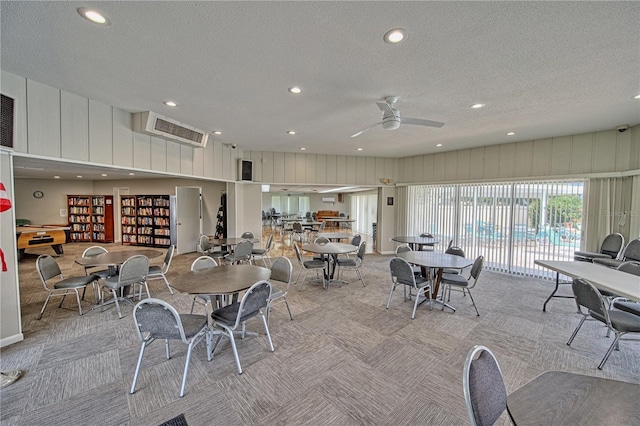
x: 103, y: 175
x: 511, y: 133
x: 131, y: 174
x: 56, y: 177
x: 79, y: 177
x: 291, y: 132
x: 636, y: 97
x: 217, y: 132
x: 295, y: 90
x: 438, y: 144
x: 359, y: 149
x: 94, y: 16
x: 302, y: 148
x: 395, y: 36
x: 476, y: 106
x: 170, y: 103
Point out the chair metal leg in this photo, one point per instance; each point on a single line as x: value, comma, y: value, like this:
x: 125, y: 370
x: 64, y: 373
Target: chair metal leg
x: 186, y: 367
x: 235, y: 350
x: 266, y: 329
x: 44, y: 306
x: 584, y: 317
x: 473, y: 301
x: 286, y: 302
x: 613, y: 345
x: 167, y: 348
x: 135, y: 375
x: 78, y: 299
x: 115, y: 298
x: 393, y: 287
x: 168, y: 285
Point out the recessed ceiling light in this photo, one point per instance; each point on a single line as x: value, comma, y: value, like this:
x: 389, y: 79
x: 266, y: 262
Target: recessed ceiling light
x: 217, y: 132
x: 476, y: 106
x: 93, y: 16
x: 56, y: 177
x: 636, y: 97
x: 131, y: 174
x: 79, y: 176
x: 170, y: 103
x: 359, y: 149
x: 511, y: 133
x: 295, y: 90
x: 302, y: 148
x: 438, y: 144
x: 104, y: 174
x: 291, y: 132
x: 395, y: 36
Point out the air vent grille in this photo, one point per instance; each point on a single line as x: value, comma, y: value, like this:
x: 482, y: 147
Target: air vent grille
x: 6, y: 121
x: 179, y: 131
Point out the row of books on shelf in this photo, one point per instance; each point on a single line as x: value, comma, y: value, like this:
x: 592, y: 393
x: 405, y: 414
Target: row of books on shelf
x: 79, y: 201
x: 79, y: 210
x: 79, y: 219
x: 145, y: 240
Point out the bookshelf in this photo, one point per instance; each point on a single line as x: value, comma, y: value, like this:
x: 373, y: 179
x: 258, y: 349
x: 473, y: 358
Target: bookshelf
x: 90, y: 218
x: 146, y: 220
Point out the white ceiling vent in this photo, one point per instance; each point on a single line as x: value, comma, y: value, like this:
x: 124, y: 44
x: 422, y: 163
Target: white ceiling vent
x: 158, y: 125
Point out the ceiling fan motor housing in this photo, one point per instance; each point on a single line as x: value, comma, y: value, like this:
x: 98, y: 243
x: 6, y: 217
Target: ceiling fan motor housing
x: 391, y: 122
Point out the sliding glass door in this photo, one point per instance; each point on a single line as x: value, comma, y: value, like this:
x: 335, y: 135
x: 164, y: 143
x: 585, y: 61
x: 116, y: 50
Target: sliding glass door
x: 510, y: 224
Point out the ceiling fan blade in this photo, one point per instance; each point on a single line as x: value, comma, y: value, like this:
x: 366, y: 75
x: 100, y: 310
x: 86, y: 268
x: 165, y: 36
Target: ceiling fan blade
x: 385, y: 108
x: 364, y: 130
x: 421, y: 122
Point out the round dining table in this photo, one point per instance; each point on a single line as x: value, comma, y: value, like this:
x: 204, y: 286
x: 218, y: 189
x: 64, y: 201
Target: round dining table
x: 416, y: 241
x: 116, y: 258
x: 334, y: 236
x: 330, y: 251
x: 230, y: 241
x: 223, y: 280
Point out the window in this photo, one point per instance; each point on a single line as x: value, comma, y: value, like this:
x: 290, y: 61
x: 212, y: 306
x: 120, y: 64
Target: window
x: 510, y: 224
x: 364, y: 209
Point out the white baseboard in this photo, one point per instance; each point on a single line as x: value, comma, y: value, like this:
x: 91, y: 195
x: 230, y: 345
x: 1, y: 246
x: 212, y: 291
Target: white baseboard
x: 11, y: 340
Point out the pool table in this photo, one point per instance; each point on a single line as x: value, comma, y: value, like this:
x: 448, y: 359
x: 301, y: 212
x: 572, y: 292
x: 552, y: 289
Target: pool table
x: 31, y: 236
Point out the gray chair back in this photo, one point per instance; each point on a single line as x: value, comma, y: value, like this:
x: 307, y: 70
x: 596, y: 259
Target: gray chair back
x: 282, y: 271
x: 355, y: 241
x: 321, y: 240
x: 630, y: 267
x: 254, y: 299
x: 476, y: 268
x: 205, y: 245
x: 247, y: 235
x: 401, y: 272
x: 203, y: 262
x: 168, y: 256
x: 426, y: 235
x: 403, y: 249
x: 588, y: 296
x: 133, y: 270
x: 47, y: 268
x: 267, y: 247
x: 94, y: 251
x: 157, y: 319
x: 298, y: 254
x: 362, y: 248
x: 484, y: 391
x: 632, y: 251
x: 297, y: 227
x: 612, y: 245
x: 456, y: 251
x: 243, y: 249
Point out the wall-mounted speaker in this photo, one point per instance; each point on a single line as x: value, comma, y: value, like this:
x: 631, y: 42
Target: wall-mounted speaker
x: 341, y: 198
x: 245, y: 170
x: 6, y: 122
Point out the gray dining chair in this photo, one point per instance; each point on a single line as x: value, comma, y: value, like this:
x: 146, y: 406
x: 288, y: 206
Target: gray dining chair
x: 456, y: 251
x: 485, y: 394
x: 307, y: 265
x: 242, y: 253
x: 205, y: 248
x: 228, y: 319
x: 160, y: 272
x: 619, y: 322
x: 351, y: 263
x: 204, y: 262
x: 402, y: 274
x: 133, y: 272
x: 623, y: 303
x: 280, y: 279
x: 48, y: 269
x: 609, y: 249
x: 157, y: 319
x: 91, y: 270
x: 403, y: 248
x: 463, y: 284
x: 631, y: 253
x: 427, y: 247
x: 263, y: 253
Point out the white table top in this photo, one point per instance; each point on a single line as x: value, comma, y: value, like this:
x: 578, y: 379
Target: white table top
x: 334, y: 235
x: 329, y: 248
x: 432, y: 259
x: 617, y: 282
x: 114, y: 258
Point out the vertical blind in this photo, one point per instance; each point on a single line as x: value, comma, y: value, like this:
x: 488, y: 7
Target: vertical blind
x: 364, y: 209
x: 510, y: 224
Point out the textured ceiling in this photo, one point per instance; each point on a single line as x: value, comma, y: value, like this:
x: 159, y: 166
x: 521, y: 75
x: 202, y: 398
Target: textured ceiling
x: 542, y: 68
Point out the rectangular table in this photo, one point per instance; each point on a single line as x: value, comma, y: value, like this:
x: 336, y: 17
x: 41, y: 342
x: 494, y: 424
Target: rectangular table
x: 617, y: 282
x: 561, y: 398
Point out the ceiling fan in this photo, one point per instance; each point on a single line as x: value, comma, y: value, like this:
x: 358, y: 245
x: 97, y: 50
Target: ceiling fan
x: 391, y: 118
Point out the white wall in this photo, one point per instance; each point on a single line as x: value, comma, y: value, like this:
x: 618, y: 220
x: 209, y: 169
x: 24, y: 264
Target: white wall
x: 46, y: 210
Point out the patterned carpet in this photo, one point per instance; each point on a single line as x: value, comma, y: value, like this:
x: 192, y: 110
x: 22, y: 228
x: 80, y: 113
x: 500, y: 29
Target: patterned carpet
x: 343, y: 360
